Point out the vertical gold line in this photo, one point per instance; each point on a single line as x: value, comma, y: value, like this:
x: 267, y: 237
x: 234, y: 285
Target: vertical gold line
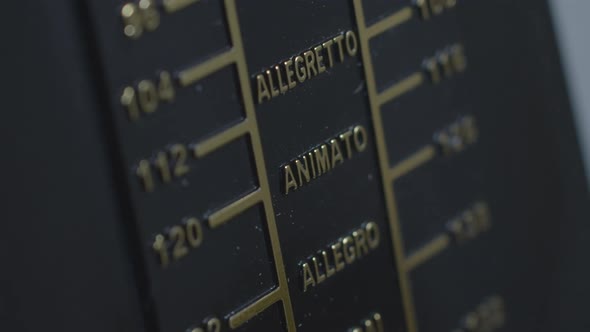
x: 395, y: 229
x: 241, y: 64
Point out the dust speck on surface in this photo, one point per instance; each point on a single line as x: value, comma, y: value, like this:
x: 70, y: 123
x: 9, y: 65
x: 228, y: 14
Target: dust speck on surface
x: 359, y: 88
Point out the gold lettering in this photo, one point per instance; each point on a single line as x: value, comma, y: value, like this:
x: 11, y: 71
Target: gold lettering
x: 319, y: 277
x: 308, y: 279
x: 326, y: 263
x: 273, y: 91
x: 328, y: 47
x: 300, y: 69
x: 346, y: 138
x: 348, y: 248
x: 360, y: 138
x: 290, y: 183
x: 319, y: 59
x: 338, y: 40
x: 322, y: 158
x: 312, y: 164
x: 329, y: 269
x: 337, y: 253
x: 360, y: 242
x: 372, y: 231
x: 310, y: 63
x: 336, y: 153
x: 302, y: 171
x: 281, y: 77
x: 289, y: 69
x: 351, y: 43
x: 282, y: 87
x: 262, y: 89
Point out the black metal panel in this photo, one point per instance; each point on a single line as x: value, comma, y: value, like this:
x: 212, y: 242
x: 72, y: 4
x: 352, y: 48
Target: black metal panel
x: 81, y: 227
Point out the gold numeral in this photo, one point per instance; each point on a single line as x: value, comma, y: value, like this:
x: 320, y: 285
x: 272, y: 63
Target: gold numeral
x: 432, y: 68
x: 458, y: 59
x: 446, y: 63
x: 139, y: 17
x: 179, y: 153
x: 471, y: 223
x: 423, y: 7
x: 213, y: 325
x: 457, y: 136
x: 144, y: 172
x: 161, y: 249
x: 429, y: 8
x: 373, y: 324
x: 162, y: 165
x: 166, y: 87
x: 129, y: 101
x: 146, y: 97
x: 180, y: 239
x: 489, y: 316
x: 194, y: 232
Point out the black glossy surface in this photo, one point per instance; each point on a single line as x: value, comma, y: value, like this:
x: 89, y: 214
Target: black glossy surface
x: 78, y: 229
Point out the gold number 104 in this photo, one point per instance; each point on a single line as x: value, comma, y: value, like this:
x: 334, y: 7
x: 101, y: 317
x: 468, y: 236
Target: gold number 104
x: 146, y: 96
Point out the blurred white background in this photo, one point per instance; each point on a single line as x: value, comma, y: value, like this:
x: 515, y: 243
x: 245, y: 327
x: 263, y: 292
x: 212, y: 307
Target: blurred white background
x: 573, y: 31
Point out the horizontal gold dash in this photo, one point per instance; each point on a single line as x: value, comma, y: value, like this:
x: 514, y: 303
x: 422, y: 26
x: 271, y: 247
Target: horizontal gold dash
x: 244, y: 315
x: 228, y: 212
x: 409, y: 164
x: 197, y: 72
x: 407, y: 84
x: 424, y: 254
x: 391, y: 21
x: 221, y: 139
x: 171, y: 6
